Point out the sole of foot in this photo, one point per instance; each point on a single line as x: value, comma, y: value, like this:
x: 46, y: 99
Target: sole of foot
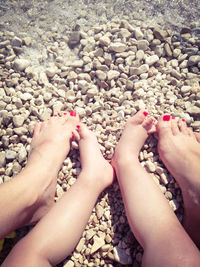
x: 49, y: 148
x: 136, y: 131
x: 179, y: 149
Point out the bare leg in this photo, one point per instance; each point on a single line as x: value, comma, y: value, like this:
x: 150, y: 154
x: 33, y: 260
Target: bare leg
x: 179, y: 149
x: 56, y: 234
x: 150, y: 217
x: 28, y: 196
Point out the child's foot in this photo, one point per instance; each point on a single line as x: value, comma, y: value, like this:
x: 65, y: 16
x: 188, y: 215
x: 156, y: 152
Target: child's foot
x: 96, y: 169
x: 49, y: 147
x: 136, y: 131
x: 179, y: 149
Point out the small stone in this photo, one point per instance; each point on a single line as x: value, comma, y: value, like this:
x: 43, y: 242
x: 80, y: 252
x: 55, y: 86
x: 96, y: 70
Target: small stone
x: 160, y: 34
x: 176, y: 52
x: 21, y: 64
x: 92, y: 92
x: 90, y: 233
x: 142, y: 45
x: 80, y: 245
x: 27, y: 41
x: 69, y: 263
x: 138, y: 34
x: 105, y: 41
x: 194, y: 111
x: 121, y: 256
x: 98, y: 243
x: 99, y: 211
x: 77, y: 63
x: 2, y: 159
x: 22, y: 154
x: 150, y: 166
x: 10, y: 154
x: 113, y: 74
x: 140, y: 54
x: 20, y: 130
x: 74, y: 39
x: 196, y: 125
x: 18, y: 120
x: 117, y: 47
x: 168, y: 50
x: 174, y: 204
x: 176, y: 74
x: 16, y: 42
x: 129, y: 85
x: 101, y: 75
x: 16, y: 168
x: 151, y: 60
x: 59, y: 191
x: 193, y: 60
x: 185, y: 89
x: 51, y: 71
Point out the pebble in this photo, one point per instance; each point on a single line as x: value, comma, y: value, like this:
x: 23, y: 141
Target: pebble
x: 22, y: 154
x: 185, y: 89
x: 18, y: 120
x: 193, y: 60
x: 21, y: 64
x: 98, y: 243
x: 69, y: 263
x: 117, y: 47
x: 105, y: 41
x: 151, y: 60
x: 113, y: 74
x: 121, y: 256
x: 2, y: 159
x: 10, y: 154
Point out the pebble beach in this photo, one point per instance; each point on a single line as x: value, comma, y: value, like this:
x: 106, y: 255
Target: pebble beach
x: 106, y: 60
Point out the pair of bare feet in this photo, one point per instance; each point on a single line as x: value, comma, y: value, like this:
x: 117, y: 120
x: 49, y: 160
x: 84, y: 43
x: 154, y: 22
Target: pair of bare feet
x: 178, y: 147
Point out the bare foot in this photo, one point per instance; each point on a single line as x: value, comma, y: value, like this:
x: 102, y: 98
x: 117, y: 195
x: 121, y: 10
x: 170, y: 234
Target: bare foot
x: 97, y: 170
x: 49, y: 147
x: 136, y: 131
x: 179, y: 150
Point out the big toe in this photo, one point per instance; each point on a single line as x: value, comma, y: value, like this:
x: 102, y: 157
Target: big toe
x: 164, y: 126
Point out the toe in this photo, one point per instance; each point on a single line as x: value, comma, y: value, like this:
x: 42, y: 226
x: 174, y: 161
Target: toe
x: 139, y: 117
x: 149, y: 125
x: 83, y: 131
x: 164, y: 125
x: 191, y: 133
x: 174, y: 125
x: 197, y: 136
x: 37, y: 129
x: 183, y: 127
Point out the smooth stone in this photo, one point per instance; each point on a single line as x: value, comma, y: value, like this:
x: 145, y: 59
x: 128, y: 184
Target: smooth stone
x: 74, y: 39
x: 185, y: 89
x: 168, y: 50
x: 105, y: 41
x: 10, y: 154
x: 138, y: 34
x: 101, y: 75
x: 193, y: 60
x: 21, y: 64
x: 117, y: 47
x: 18, y: 120
x: 20, y: 130
x: 2, y: 159
x: 22, y: 154
x: 142, y: 45
x: 195, y: 111
x: 121, y: 256
x: 140, y: 54
x: 151, y: 60
x: 92, y: 92
x: 160, y: 34
x: 113, y: 74
x: 176, y: 74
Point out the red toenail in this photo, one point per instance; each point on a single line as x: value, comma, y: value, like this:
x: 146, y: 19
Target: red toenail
x: 78, y: 126
x: 55, y: 115
x: 166, y: 117
x: 183, y: 120
x: 65, y: 113
x: 73, y: 113
x: 173, y: 118
x: 145, y: 113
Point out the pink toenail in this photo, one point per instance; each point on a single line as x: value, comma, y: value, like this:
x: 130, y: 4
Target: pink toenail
x: 166, y: 117
x: 65, y: 113
x: 183, y: 120
x: 55, y: 115
x: 73, y: 113
x: 145, y: 113
x: 173, y: 118
x: 77, y: 126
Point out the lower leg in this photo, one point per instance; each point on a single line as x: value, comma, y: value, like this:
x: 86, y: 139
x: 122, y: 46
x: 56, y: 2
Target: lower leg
x: 151, y: 219
x: 57, y: 233
x: 29, y: 195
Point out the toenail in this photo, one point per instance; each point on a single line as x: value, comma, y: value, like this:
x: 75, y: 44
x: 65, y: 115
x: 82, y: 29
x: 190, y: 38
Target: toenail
x: 55, y: 115
x: 183, y: 120
x: 166, y: 117
x: 173, y: 118
x: 73, y: 113
x: 145, y: 113
x: 65, y: 113
x: 77, y: 126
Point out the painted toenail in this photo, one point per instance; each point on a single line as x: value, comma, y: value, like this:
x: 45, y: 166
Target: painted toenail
x: 77, y: 126
x: 166, y: 117
x: 145, y: 113
x: 183, y: 120
x: 173, y: 118
x: 55, y: 115
x: 73, y: 113
x: 65, y: 113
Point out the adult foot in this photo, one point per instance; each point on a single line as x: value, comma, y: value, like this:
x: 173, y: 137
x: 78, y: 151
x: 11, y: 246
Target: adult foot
x: 179, y: 149
x: 49, y: 147
x: 95, y: 169
x: 136, y: 131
